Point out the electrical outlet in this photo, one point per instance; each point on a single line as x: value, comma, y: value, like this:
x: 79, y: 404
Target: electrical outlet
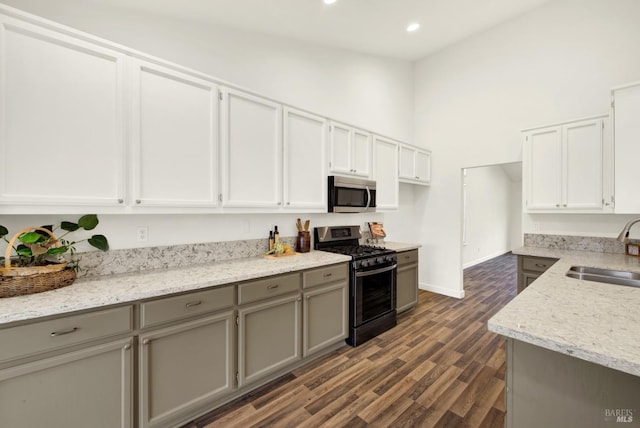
x: 142, y: 233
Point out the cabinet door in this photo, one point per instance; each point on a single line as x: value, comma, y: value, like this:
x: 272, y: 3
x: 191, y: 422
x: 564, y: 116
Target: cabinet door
x: 627, y: 148
x: 268, y: 337
x: 62, y: 105
x: 361, y: 160
x: 582, y: 183
x: 305, y: 176
x: 326, y: 317
x: 175, y: 137
x: 386, y: 173
x: 184, y: 368
x: 423, y: 167
x: 406, y: 163
x: 407, y: 287
x: 251, y: 151
x: 544, y: 168
x: 89, y: 387
x: 340, y: 148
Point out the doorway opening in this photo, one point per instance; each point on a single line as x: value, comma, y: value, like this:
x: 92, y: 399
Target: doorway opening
x: 491, y: 212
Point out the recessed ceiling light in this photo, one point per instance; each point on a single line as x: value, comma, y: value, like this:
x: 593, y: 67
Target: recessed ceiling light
x: 329, y: 1
x: 413, y: 27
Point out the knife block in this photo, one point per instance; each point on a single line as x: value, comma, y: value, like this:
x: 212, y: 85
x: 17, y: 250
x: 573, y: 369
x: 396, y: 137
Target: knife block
x: 303, y: 242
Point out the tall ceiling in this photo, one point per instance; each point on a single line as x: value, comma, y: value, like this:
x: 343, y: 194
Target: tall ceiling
x: 375, y: 27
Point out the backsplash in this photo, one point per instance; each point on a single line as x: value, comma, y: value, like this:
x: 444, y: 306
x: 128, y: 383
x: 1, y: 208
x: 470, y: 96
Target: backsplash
x: 97, y: 263
x: 574, y: 243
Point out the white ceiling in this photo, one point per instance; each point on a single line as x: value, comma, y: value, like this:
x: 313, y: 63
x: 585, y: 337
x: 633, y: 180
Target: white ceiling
x: 369, y: 26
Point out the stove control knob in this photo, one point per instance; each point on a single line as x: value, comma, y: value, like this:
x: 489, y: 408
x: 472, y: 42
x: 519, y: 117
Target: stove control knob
x: 389, y: 258
x: 364, y: 264
x: 380, y: 260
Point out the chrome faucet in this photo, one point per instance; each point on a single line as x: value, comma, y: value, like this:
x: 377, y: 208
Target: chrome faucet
x: 624, y: 235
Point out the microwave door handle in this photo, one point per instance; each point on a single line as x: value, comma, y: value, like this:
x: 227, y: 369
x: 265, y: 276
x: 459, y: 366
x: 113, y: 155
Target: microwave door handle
x: 368, y: 197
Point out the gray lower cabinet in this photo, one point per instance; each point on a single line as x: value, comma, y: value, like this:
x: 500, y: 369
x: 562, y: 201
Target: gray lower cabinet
x: 73, y: 371
x: 268, y: 337
x: 407, y: 281
x: 545, y: 388
x: 325, y: 308
x: 186, y: 365
x: 530, y: 268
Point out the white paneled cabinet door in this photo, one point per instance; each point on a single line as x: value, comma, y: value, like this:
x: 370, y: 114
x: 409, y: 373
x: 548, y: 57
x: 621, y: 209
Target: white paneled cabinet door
x: 361, y: 153
x: 385, y: 171
x: 406, y: 162
x: 544, y: 168
x: 251, y: 151
x: 341, y: 137
x: 62, y: 139
x: 423, y: 167
x: 582, y: 150
x: 626, y: 113
x: 305, y: 176
x: 175, y: 138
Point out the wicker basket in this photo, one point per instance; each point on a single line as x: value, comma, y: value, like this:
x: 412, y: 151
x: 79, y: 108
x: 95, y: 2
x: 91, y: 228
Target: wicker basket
x: 18, y: 281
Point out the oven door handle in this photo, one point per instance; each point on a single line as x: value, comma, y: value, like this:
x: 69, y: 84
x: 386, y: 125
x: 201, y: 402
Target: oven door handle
x: 368, y: 197
x: 376, y: 271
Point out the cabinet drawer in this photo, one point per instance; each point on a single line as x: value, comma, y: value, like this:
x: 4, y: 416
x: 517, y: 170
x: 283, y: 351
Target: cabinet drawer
x: 407, y: 257
x: 536, y: 264
x: 325, y: 275
x: 30, y: 339
x: 187, y: 305
x: 264, y: 288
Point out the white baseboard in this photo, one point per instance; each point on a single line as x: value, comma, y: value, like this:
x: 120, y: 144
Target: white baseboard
x: 484, y: 259
x: 458, y: 294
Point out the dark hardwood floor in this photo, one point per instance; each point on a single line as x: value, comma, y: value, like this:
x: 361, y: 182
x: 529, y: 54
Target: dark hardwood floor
x: 439, y: 367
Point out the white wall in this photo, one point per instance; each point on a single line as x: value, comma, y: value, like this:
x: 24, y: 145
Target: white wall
x: 367, y: 91
x: 487, y: 221
x: 471, y: 100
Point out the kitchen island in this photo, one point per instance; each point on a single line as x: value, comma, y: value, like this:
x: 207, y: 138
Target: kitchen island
x: 574, y: 346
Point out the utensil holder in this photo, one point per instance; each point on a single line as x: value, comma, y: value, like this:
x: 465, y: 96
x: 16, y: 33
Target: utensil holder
x: 303, y: 242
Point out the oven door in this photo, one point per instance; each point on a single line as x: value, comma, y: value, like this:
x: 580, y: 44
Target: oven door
x: 374, y: 293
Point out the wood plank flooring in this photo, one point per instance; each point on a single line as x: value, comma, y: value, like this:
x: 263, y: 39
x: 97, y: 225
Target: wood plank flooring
x: 439, y: 367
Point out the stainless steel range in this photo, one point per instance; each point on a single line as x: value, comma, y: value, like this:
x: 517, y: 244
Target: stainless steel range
x: 372, y: 283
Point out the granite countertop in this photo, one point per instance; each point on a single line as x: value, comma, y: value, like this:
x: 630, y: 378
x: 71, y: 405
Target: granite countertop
x: 401, y: 246
x: 122, y: 288
x: 592, y: 321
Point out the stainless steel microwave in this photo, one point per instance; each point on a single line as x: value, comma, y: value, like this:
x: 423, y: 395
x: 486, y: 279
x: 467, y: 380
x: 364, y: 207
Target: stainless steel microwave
x: 351, y: 195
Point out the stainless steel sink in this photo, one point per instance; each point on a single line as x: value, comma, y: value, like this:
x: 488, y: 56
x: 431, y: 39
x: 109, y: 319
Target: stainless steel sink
x: 618, y: 277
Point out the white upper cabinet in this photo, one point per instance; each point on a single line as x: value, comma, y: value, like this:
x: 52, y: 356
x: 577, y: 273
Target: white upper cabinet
x: 175, y: 138
x: 62, y: 139
x: 385, y: 173
x: 251, y: 151
x: 414, y: 165
x: 350, y: 151
x: 305, y: 176
x: 626, y: 118
x: 567, y: 167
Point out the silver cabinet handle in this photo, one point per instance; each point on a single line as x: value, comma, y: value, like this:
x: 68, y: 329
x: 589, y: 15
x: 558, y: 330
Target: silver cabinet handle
x: 138, y: 201
x: 557, y: 205
x: 192, y: 304
x: 63, y: 332
x: 120, y: 201
x: 540, y: 265
x: 126, y: 347
x: 272, y: 286
x: 327, y: 275
x: 146, y: 341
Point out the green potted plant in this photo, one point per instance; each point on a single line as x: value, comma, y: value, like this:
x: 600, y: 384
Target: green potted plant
x: 34, y: 261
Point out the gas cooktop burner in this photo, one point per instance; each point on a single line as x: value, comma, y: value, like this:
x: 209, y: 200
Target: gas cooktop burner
x: 357, y: 250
